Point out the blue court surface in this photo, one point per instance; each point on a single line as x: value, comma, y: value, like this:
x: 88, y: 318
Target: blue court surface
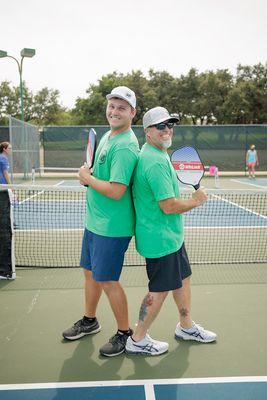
x: 244, y: 388
x: 64, y: 214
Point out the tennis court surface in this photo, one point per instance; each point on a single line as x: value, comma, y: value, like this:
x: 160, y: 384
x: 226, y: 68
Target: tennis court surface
x: 227, y: 247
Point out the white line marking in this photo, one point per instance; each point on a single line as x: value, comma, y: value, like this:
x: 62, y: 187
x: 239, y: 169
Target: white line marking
x: 237, y: 205
x: 228, y: 227
x: 37, y: 194
x: 149, y: 391
x: 247, y: 183
x: 184, y: 381
x: 33, y: 302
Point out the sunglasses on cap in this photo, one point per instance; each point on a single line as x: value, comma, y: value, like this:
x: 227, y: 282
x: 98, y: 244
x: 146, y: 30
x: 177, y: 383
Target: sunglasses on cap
x: 162, y: 125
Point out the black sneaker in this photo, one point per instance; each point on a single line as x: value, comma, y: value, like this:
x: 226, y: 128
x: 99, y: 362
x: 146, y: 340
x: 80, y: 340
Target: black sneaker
x: 80, y: 329
x: 116, y: 344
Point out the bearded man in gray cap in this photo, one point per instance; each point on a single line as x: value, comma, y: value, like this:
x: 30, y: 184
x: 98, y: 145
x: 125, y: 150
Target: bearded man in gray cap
x: 160, y: 237
x: 110, y: 221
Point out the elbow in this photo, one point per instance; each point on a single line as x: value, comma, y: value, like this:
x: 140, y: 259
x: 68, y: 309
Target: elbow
x: 167, y: 210
x: 115, y: 196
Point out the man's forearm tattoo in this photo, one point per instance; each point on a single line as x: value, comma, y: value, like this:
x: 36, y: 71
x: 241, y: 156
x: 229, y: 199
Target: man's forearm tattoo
x: 148, y: 300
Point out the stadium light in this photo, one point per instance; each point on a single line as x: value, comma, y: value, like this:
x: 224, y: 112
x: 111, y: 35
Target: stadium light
x: 29, y: 53
x: 3, y: 54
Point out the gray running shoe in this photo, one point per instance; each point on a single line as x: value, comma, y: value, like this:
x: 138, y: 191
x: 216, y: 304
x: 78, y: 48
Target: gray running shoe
x: 116, y: 345
x: 80, y: 329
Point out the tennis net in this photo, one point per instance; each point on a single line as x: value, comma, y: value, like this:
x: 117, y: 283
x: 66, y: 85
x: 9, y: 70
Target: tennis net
x: 231, y: 227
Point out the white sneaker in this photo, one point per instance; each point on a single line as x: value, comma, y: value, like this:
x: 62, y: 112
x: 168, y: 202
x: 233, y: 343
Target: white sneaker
x: 199, y: 334
x: 146, y: 346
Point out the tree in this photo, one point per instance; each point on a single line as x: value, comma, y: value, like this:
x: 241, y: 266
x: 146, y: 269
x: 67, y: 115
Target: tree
x: 45, y: 109
x: 246, y: 102
x: 91, y: 110
x: 197, y: 98
x: 213, y: 91
x: 9, y: 102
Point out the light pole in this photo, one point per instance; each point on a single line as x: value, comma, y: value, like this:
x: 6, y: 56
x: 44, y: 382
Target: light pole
x: 29, y: 53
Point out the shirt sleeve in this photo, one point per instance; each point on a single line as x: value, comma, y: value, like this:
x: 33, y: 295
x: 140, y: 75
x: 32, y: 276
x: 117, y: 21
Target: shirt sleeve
x: 4, y: 164
x: 160, y: 181
x: 122, y: 166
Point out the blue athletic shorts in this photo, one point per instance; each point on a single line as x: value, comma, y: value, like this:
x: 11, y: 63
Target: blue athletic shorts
x: 103, y: 255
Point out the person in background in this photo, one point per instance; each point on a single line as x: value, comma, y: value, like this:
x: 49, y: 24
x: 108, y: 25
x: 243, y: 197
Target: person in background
x: 5, y: 151
x: 252, y: 161
x: 160, y: 237
x: 110, y: 221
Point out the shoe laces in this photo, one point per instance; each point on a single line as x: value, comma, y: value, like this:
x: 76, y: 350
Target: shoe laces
x: 199, y: 327
x: 118, y: 337
x: 78, y: 323
x: 149, y: 346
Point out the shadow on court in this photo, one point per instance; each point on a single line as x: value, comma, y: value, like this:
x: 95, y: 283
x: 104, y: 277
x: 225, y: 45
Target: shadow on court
x: 40, y: 304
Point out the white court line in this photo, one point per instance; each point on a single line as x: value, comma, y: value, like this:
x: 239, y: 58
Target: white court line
x: 248, y: 183
x: 229, y: 227
x: 149, y: 391
x: 144, y: 382
x: 239, y: 206
x: 37, y: 194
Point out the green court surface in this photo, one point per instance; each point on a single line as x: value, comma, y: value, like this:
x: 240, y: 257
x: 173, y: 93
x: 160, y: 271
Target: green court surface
x: 40, y: 303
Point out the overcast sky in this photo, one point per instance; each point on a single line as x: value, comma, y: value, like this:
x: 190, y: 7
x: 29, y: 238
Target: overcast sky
x: 79, y: 41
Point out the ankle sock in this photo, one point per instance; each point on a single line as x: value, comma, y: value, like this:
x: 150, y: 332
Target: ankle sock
x: 128, y: 332
x: 88, y: 320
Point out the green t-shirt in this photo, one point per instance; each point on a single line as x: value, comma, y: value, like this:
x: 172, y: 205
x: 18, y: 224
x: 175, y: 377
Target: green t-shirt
x: 157, y: 234
x: 115, y: 160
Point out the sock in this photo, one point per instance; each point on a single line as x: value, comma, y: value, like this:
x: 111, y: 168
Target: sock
x: 88, y: 320
x: 128, y: 332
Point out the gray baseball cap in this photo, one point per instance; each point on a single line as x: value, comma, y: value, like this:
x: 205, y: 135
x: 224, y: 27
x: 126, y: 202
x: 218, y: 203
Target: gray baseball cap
x: 157, y: 115
x: 124, y: 93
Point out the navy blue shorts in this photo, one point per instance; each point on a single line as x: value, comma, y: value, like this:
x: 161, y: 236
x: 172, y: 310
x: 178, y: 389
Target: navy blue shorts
x: 103, y: 255
x: 167, y: 272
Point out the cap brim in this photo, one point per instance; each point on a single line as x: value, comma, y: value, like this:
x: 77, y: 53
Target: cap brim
x: 171, y: 119
x: 114, y: 96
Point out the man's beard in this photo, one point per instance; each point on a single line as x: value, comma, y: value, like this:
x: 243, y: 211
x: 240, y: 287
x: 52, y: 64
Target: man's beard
x: 166, y: 144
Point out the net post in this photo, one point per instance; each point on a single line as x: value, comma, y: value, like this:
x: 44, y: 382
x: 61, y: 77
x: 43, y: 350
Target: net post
x: 216, y: 177
x: 33, y: 175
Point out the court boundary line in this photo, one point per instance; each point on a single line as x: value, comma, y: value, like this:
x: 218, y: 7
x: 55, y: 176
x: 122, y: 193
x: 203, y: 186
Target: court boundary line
x: 247, y: 183
x: 35, y: 195
x: 239, y: 206
x: 148, y: 383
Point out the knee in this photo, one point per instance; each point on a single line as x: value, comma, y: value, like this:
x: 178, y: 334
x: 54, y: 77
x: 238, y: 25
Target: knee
x: 88, y: 274
x: 109, y: 286
x: 161, y: 296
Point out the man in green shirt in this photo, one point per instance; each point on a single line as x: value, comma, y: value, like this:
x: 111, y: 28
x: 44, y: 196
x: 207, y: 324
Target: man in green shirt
x: 110, y: 221
x: 160, y: 236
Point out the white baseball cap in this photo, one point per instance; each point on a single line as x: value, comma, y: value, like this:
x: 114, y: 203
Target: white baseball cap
x: 124, y: 93
x: 157, y: 115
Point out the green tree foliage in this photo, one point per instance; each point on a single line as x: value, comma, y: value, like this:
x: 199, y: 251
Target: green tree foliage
x: 199, y: 98
x: 43, y: 108
x: 9, y: 102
